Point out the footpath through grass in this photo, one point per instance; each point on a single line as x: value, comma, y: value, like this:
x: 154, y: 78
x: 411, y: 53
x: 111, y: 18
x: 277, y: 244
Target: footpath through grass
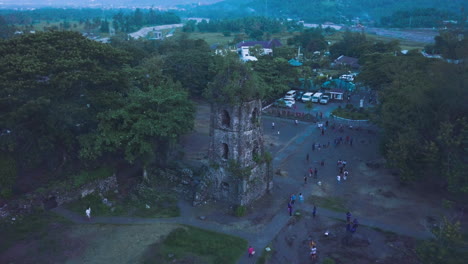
x: 194, y: 244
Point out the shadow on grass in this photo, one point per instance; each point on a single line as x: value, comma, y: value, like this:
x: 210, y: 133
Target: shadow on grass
x: 196, y: 245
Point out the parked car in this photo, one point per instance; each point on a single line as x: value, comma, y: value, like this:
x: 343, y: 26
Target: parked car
x: 290, y: 94
x: 324, y: 99
x: 283, y: 103
x: 307, y: 97
x: 289, y: 99
x: 316, y: 97
x: 298, y: 96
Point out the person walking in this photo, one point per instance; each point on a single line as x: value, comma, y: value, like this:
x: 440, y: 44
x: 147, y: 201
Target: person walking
x: 345, y: 175
x: 351, y: 142
x: 88, y: 212
x: 296, y: 122
x: 315, y: 173
x: 272, y: 125
x: 310, y: 172
x: 338, y: 178
x: 314, y: 211
x: 348, y: 217
x: 301, y: 198
x: 251, y: 251
x: 293, y: 198
x: 307, y: 157
x: 313, y: 146
x: 290, y: 209
x: 313, y: 252
x: 305, y: 179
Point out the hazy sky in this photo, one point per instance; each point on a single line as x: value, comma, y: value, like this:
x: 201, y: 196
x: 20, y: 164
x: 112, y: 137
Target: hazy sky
x: 115, y: 3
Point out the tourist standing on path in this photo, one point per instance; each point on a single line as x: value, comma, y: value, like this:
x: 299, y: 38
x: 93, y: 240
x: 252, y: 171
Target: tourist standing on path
x: 305, y: 179
x: 88, y: 212
x: 348, y: 217
x: 313, y: 146
x: 310, y: 172
x: 338, y: 178
x: 313, y: 252
x: 296, y: 122
x: 293, y: 198
x: 307, y: 157
x: 272, y: 125
x: 301, y: 198
x: 315, y: 173
x: 251, y: 251
x: 345, y: 175
x: 314, y: 211
x: 290, y: 209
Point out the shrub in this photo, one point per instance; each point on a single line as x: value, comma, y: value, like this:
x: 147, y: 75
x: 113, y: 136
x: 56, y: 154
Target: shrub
x: 90, y: 175
x: 328, y: 261
x: 240, y: 211
x: 8, y: 174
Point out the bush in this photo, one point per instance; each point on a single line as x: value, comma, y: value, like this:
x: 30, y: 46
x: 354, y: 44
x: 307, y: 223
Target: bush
x: 8, y: 175
x: 328, y: 261
x: 240, y: 211
x: 90, y: 175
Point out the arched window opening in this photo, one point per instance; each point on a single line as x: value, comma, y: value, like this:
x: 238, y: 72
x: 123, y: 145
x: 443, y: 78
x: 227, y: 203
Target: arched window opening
x: 255, y: 116
x: 225, y: 119
x: 225, y: 151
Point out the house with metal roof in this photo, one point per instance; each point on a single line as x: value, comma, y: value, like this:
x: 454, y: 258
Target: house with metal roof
x: 243, y: 48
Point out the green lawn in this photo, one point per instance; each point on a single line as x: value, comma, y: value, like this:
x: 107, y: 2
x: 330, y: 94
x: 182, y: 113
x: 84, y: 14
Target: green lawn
x: 34, y: 225
x: 196, y: 245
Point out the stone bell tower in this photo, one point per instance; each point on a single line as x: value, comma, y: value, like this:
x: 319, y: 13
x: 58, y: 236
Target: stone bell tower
x: 240, y: 167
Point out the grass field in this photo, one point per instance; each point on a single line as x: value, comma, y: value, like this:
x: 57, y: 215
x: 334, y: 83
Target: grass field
x: 196, y: 246
x: 332, y: 203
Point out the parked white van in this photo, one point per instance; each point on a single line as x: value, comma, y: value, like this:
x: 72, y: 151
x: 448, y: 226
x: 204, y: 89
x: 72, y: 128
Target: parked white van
x: 290, y: 94
x: 316, y: 98
x: 307, y: 97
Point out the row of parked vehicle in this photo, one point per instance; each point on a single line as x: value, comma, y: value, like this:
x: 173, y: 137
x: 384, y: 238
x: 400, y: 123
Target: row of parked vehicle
x: 292, y: 96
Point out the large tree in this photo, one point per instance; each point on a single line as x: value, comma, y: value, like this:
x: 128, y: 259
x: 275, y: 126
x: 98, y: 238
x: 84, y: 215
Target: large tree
x: 52, y: 87
x: 143, y: 126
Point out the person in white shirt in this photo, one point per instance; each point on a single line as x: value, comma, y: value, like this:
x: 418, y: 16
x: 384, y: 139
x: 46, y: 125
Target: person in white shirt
x: 88, y: 212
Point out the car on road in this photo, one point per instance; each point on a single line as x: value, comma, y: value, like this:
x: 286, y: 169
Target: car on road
x: 283, y: 103
x: 288, y: 99
x: 324, y: 99
x: 307, y: 97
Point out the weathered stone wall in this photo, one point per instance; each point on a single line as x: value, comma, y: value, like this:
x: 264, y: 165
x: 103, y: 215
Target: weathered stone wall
x: 237, y: 135
x: 55, y: 197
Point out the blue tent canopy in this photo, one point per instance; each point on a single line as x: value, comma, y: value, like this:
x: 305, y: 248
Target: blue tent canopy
x: 294, y: 62
x: 337, y: 83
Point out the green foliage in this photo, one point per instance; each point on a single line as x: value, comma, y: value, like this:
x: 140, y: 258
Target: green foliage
x: 144, y: 126
x: 352, y: 113
x: 416, y: 18
x: 8, y: 174
x: 355, y: 44
x: 240, y: 211
x: 311, y: 40
x: 88, y: 176
x: 446, y: 247
x: 423, y: 113
x: 265, y: 255
x: 52, y: 87
x: 235, y: 83
x: 219, y: 247
x: 237, y: 171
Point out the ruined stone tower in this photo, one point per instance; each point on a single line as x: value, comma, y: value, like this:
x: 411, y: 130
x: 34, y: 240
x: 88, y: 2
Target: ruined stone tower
x: 239, y: 164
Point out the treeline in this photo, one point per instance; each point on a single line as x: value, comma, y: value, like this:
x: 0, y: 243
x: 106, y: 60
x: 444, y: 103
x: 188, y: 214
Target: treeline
x: 319, y: 11
x: 417, y: 18
x: 27, y: 17
x: 249, y: 25
x: 132, y: 21
x: 423, y: 113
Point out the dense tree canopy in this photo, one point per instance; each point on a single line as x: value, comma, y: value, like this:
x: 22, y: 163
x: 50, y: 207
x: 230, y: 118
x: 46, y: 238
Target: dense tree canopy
x: 51, y: 88
x: 423, y: 112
